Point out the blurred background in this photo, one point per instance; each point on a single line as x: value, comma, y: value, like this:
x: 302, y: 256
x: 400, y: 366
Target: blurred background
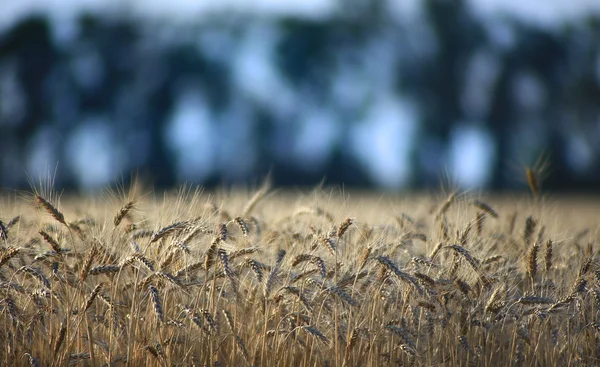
x: 383, y: 94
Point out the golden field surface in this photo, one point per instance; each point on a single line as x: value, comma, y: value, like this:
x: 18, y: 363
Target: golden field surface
x: 321, y: 278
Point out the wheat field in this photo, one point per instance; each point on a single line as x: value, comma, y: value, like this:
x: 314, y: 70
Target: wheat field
x: 317, y: 278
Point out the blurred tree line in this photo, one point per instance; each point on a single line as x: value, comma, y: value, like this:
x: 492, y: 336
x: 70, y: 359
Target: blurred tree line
x: 533, y: 90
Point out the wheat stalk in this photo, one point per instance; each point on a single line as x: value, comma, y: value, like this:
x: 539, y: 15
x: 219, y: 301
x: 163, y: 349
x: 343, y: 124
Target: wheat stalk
x: 123, y: 213
x: 158, y: 309
x: 92, y: 297
x: 13, y: 222
x: 343, y: 227
x: 8, y: 254
x: 532, y: 262
x: 243, y: 226
x: 485, y: 208
x: 532, y: 181
x: 168, y: 230
x: 3, y: 232
x: 50, y: 209
x: 273, y: 273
